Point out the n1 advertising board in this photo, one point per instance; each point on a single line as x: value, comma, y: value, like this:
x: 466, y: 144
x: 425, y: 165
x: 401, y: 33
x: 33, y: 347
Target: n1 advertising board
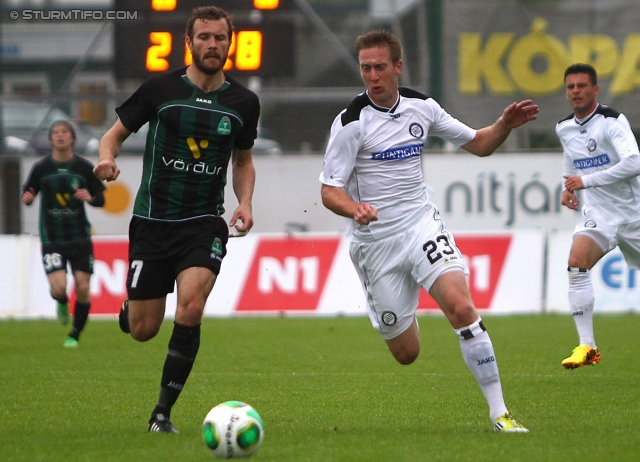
x: 616, y: 286
x: 305, y: 274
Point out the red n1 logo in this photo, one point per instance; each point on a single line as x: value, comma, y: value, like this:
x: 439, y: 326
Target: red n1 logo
x: 288, y: 274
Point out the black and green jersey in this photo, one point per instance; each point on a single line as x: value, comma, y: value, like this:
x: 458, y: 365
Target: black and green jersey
x: 190, y: 141
x: 63, y: 218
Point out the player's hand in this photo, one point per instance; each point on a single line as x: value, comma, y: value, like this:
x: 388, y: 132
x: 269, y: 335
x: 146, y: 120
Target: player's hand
x: 82, y: 195
x: 573, y: 183
x: 28, y: 196
x: 106, y: 170
x: 242, y: 218
x: 517, y: 114
x: 365, y: 214
x: 569, y: 199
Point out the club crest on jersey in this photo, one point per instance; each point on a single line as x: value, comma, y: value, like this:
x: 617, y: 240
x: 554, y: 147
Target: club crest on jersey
x: 389, y: 318
x: 591, y: 145
x: 590, y: 224
x: 216, y: 248
x: 224, y: 127
x: 416, y: 130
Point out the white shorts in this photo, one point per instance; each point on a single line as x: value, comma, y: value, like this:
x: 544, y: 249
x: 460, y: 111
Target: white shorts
x: 393, y: 269
x: 609, y: 236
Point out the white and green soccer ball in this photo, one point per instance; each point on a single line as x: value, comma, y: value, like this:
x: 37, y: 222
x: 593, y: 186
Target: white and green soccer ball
x: 233, y: 429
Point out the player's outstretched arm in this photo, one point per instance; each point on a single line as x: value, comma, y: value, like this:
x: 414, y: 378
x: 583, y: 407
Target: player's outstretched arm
x: 488, y: 139
x: 106, y: 168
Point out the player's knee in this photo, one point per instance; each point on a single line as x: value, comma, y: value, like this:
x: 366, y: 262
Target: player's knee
x: 577, y: 261
x: 82, y: 290
x: 405, y: 358
x: 143, y: 331
x: 58, y: 293
x: 141, y: 335
x: 462, y: 314
x: 405, y: 355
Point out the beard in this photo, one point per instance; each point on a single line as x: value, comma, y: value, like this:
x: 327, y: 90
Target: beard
x: 198, y: 61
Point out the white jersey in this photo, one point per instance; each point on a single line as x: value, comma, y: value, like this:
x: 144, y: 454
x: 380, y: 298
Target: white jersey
x: 603, y: 151
x: 374, y: 153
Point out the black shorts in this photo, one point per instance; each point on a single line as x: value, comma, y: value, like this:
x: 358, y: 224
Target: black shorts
x: 56, y: 256
x: 160, y: 250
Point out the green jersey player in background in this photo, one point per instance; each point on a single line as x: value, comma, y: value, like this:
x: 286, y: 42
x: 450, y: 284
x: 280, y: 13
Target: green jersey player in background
x: 65, y: 182
x: 199, y: 120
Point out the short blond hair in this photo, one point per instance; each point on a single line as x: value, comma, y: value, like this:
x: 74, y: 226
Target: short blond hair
x: 380, y: 38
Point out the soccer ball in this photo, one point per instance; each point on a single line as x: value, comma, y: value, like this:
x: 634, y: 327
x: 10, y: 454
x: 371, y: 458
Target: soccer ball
x: 233, y: 429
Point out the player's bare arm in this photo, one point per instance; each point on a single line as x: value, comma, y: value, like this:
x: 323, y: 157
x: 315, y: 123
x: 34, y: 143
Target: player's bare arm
x: 244, y: 180
x: 336, y: 200
x: 488, y: 139
x: 106, y: 168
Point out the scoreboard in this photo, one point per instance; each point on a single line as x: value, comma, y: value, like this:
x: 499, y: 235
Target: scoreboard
x: 263, y: 42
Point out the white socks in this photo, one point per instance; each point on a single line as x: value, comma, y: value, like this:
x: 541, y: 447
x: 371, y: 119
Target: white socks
x: 581, y: 300
x: 477, y: 351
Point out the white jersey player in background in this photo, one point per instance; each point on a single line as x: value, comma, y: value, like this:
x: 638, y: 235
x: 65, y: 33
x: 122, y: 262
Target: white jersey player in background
x: 372, y: 175
x: 601, y: 157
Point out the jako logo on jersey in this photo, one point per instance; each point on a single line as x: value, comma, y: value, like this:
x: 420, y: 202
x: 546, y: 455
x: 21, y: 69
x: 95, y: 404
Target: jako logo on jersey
x: 202, y: 100
x: 416, y: 130
x: 398, y: 153
x: 602, y: 159
x: 199, y: 167
x: 224, y: 127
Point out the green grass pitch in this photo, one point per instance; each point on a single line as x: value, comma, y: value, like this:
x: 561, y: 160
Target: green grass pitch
x: 327, y: 390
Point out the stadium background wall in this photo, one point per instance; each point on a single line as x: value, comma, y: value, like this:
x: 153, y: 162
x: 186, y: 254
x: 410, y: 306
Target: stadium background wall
x: 309, y: 274
x: 503, y: 192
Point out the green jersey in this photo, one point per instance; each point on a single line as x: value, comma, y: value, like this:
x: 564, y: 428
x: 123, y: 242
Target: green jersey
x: 62, y: 217
x: 192, y: 134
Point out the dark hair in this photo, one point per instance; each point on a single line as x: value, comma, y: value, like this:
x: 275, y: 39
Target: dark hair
x: 64, y: 123
x: 580, y: 68
x: 377, y: 38
x: 210, y: 13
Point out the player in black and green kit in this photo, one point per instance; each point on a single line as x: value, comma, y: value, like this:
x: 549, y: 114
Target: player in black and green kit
x: 199, y: 120
x: 65, y: 182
